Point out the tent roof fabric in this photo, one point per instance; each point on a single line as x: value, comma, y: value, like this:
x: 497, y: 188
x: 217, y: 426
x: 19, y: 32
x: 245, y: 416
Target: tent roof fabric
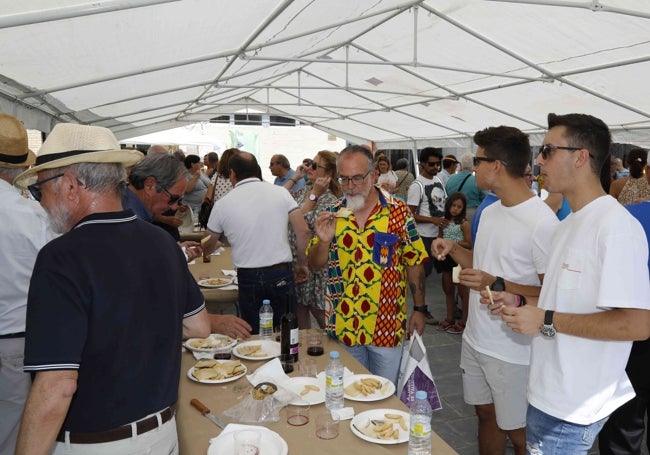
x: 401, y: 73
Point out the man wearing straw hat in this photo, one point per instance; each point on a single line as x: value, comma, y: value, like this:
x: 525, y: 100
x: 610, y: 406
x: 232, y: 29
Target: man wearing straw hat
x: 109, y: 302
x: 23, y: 231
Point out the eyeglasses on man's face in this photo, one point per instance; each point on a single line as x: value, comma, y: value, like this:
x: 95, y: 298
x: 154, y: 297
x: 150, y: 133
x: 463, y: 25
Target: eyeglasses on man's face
x: 547, y: 150
x: 35, y: 188
x: 477, y: 160
x: 173, y: 198
x: 433, y: 163
x: 355, y: 179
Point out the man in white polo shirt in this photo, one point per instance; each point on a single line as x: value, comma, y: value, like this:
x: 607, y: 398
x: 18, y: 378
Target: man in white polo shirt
x: 255, y: 217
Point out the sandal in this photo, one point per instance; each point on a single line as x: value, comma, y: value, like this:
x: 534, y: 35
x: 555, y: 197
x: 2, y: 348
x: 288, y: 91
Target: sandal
x: 457, y: 328
x: 445, y: 325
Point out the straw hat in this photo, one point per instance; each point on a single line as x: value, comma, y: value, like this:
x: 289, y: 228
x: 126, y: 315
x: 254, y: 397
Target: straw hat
x: 13, y: 143
x: 69, y: 143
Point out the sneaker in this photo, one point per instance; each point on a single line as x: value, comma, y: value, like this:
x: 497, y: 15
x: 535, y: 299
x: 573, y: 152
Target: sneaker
x: 429, y: 319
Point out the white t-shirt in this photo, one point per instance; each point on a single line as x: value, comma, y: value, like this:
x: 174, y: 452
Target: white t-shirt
x: 254, y: 216
x: 598, y: 261
x: 513, y: 243
x: 432, y: 203
x: 389, y: 178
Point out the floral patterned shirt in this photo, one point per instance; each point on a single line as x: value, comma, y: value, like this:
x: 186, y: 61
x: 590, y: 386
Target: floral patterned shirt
x: 367, y: 274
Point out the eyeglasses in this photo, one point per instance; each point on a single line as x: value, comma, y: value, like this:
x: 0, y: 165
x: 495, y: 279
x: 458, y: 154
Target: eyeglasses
x: 433, y: 163
x: 315, y: 166
x: 35, y: 188
x: 547, y: 150
x: 477, y: 159
x: 355, y: 179
x: 173, y: 198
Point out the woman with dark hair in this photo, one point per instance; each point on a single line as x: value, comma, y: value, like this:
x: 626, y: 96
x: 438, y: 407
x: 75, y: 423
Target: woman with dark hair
x: 197, y: 182
x: 633, y: 188
x: 322, y: 189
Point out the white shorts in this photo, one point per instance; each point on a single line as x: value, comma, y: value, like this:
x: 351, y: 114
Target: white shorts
x: 488, y: 380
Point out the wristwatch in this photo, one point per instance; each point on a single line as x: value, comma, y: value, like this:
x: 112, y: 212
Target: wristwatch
x: 498, y: 285
x: 421, y: 309
x: 548, y: 329
x: 313, y: 197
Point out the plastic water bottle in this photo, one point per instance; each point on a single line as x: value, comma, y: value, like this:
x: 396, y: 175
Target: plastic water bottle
x: 420, y: 425
x: 334, y: 382
x: 266, y: 320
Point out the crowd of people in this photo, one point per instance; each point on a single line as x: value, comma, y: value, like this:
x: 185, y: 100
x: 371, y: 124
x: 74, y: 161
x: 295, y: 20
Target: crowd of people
x: 342, y: 240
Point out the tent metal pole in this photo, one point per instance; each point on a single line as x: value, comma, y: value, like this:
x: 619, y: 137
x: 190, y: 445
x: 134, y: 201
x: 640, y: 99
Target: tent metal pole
x: 415, y: 35
x: 73, y: 11
x: 593, y: 5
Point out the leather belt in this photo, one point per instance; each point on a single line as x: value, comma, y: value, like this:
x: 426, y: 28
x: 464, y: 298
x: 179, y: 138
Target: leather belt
x: 280, y: 266
x: 13, y: 335
x: 123, y: 432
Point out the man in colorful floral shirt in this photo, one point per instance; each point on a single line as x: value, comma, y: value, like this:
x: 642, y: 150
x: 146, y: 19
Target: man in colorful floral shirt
x: 370, y: 244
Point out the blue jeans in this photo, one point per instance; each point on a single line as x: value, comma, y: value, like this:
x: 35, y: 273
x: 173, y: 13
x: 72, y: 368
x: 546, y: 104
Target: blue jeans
x: 547, y: 435
x: 380, y: 361
x: 256, y: 285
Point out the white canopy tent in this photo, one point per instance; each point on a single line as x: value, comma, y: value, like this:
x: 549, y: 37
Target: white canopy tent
x: 401, y: 73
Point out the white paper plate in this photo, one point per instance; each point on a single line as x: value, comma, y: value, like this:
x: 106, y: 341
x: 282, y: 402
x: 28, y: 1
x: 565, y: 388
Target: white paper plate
x: 270, y: 349
x: 218, y: 282
x: 363, y: 419
x: 216, y: 381
x: 230, y: 342
x: 297, y: 385
x: 388, y: 389
x: 271, y: 443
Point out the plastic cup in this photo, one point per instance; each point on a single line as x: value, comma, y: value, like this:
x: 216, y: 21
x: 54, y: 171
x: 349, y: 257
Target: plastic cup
x: 327, y: 427
x: 298, y: 415
x: 286, y: 360
x: 247, y: 442
x: 315, y: 343
x: 308, y: 367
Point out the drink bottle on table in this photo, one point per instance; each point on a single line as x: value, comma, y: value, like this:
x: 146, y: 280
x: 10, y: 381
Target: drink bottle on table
x: 420, y: 425
x: 334, y: 382
x: 266, y: 320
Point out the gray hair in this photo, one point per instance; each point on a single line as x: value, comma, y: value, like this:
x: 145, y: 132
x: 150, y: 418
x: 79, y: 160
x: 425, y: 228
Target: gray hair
x: 155, y: 148
x: 102, y: 178
x: 166, y: 169
x: 467, y: 161
x: 358, y: 149
x: 10, y: 173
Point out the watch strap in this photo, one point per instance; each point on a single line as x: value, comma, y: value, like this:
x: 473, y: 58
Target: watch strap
x: 548, y: 317
x: 421, y: 308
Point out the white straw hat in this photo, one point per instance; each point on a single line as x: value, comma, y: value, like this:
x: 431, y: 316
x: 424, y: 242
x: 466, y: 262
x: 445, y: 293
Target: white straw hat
x: 70, y: 143
x: 14, y: 151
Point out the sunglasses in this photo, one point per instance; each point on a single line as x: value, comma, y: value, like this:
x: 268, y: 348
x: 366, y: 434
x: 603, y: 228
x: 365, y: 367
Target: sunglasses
x: 477, y: 160
x: 547, y: 150
x: 315, y: 166
x: 35, y: 188
x: 433, y: 163
x: 173, y: 198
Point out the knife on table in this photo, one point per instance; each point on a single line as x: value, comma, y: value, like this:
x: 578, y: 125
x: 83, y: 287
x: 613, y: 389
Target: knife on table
x: 206, y: 412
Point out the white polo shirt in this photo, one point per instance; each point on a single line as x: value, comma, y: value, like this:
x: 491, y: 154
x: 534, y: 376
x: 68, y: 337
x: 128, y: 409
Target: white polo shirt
x: 254, y: 216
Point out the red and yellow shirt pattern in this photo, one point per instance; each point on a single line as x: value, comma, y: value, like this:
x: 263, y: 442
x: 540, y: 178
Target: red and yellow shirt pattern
x: 367, y: 274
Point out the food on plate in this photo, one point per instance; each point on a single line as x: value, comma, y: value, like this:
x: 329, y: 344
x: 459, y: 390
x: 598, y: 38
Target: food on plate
x: 211, y: 342
x: 210, y: 370
x: 216, y: 281
x: 343, y: 212
x: 365, y: 387
x: 251, y: 350
x: 385, y: 429
x: 309, y: 388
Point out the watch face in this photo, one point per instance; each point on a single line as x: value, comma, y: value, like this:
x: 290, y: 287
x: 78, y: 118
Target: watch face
x: 548, y: 330
x: 498, y: 285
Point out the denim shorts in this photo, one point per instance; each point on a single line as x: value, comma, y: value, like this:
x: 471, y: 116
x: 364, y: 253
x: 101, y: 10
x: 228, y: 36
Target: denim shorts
x: 548, y: 435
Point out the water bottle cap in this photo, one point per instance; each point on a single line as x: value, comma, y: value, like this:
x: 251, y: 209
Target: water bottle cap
x: 421, y: 395
x: 334, y: 354
x: 266, y: 302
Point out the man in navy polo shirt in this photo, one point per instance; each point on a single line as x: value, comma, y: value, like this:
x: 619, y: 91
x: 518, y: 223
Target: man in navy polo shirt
x: 109, y: 302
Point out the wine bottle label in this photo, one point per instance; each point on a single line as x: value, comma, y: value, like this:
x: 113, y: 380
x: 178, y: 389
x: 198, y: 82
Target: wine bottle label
x: 294, y: 338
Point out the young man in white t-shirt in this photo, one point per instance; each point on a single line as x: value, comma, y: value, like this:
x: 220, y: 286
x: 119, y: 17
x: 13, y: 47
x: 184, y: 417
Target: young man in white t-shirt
x: 513, y: 237
x: 426, y: 199
x: 595, y: 299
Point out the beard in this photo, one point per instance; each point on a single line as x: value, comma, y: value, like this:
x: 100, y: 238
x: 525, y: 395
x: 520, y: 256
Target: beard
x: 59, y: 219
x: 356, y: 200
